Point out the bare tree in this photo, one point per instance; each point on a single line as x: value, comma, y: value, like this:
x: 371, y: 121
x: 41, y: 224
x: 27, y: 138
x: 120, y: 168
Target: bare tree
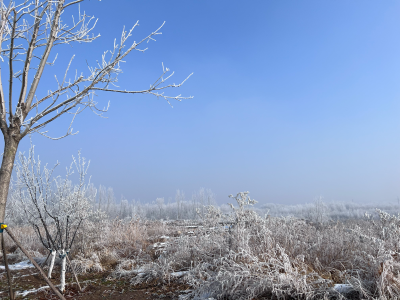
x: 53, y: 206
x: 29, y: 30
x: 206, y: 198
x: 160, y: 204
x: 179, y: 198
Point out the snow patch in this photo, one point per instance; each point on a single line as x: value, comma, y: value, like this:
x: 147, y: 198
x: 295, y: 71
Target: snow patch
x: 159, y: 245
x: 19, y: 266
x: 343, y: 288
x: 179, y: 274
x: 27, y: 292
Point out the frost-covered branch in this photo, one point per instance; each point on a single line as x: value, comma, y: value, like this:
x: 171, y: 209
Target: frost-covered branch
x: 53, y: 206
x: 29, y: 31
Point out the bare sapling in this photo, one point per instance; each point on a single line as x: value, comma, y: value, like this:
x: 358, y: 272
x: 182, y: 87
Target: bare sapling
x: 53, y: 206
x: 241, y: 213
x: 29, y: 30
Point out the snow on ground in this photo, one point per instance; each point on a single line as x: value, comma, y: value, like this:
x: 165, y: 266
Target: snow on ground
x: 139, y: 271
x: 25, y: 293
x: 26, y: 275
x: 19, y: 266
x: 179, y: 274
x: 159, y: 245
x: 343, y: 288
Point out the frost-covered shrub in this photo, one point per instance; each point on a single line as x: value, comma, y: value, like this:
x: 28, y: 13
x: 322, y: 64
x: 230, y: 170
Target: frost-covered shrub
x: 243, y: 256
x: 83, y: 265
x: 246, y: 276
x: 234, y: 252
x: 238, y: 256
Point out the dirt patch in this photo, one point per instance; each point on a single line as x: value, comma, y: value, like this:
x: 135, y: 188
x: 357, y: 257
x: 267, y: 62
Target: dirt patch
x: 94, y: 286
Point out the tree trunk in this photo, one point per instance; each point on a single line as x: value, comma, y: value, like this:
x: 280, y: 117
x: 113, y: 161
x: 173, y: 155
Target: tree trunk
x: 52, y: 260
x: 10, y: 150
x: 63, y: 269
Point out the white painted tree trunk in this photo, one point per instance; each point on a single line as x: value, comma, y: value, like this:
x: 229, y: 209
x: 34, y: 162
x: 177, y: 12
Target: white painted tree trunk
x: 53, y: 258
x: 63, y: 269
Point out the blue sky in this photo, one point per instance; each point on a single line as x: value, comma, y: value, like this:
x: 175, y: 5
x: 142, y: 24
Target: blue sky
x: 292, y: 100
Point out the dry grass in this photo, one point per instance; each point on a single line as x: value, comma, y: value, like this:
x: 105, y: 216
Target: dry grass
x: 274, y: 257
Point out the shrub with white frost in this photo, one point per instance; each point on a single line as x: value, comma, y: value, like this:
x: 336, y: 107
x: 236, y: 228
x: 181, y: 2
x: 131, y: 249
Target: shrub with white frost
x: 242, y: 254
x: 53, y: 206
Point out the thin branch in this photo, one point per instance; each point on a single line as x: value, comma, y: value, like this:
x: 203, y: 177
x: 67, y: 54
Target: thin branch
x: 11, y: 68
x: 45, y: 56
x: 72, y: 3
x: 29, y: 57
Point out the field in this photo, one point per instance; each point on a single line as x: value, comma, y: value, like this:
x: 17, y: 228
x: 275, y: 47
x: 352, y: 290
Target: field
x: 236, y: 255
